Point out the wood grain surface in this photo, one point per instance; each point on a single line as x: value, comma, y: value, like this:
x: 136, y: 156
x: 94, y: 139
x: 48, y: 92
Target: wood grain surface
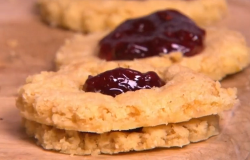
x: 27, y: 46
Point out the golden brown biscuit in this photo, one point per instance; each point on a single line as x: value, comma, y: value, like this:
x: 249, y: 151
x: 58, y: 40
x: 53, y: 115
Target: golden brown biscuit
x: 225, y: 53
x: 82, y: 143
x: 87, y: 16
x: 57, y: 99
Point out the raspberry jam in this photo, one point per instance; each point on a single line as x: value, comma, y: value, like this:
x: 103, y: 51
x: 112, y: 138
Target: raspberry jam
x: 121, y: 80
x: 159, y: 33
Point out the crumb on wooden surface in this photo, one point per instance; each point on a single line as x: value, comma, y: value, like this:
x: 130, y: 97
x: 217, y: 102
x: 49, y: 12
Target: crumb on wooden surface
x: 12, y: 43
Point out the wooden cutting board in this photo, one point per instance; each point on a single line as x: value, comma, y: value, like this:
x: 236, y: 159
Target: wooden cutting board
x: 27, y: 46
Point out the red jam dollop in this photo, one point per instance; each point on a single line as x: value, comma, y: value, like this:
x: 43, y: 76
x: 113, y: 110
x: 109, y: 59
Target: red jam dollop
x: 120, y: 80
x: 159, y: 33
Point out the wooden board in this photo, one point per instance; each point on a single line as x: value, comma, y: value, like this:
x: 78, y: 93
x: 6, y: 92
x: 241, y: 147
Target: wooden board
x: 27, y: 46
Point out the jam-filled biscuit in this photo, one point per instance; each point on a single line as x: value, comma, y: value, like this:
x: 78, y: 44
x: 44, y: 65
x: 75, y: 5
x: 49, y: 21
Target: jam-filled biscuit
x: 82, y: 143
x: 162, y: 39
x: 60, y: 99
x: 99, y: 15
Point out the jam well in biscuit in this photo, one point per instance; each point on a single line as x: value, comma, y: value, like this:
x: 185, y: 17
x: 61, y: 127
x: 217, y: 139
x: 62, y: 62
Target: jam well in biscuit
x: 120, y: 80
x: 159, y: 33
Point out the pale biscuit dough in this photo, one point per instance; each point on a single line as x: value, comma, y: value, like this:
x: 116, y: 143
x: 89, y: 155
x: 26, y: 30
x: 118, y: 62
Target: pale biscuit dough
x: 57, y: 99
x: 225, y: 52
x: 99, y: 15
x: 82, y: 143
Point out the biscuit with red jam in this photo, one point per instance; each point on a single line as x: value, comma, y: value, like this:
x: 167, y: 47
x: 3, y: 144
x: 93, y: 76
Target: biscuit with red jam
x: 161, y: 39
x: 60, y: 99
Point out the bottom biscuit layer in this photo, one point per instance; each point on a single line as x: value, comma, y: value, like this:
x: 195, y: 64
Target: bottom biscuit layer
x: 82, y: 143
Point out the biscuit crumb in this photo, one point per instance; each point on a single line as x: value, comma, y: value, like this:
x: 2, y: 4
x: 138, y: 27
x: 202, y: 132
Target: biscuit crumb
x: 12, y: 43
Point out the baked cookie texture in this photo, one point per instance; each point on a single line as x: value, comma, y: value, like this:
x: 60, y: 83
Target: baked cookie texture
x: 57, y: 99
x: 86, y: 16
x: 225, y: 52
x: 82, y: 143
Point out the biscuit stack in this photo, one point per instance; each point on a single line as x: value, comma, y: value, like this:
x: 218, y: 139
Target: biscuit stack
x: 63, y: 117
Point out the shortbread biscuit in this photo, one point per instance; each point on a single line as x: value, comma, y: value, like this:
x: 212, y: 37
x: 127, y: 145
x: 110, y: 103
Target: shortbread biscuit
x: 99, y: 15
x: 82, y: 143
x: 225, y: 52
x: 57, y: 99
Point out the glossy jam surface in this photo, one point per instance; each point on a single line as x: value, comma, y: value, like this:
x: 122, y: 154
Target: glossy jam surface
x: 121, y: 80
x: 161, y: 32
